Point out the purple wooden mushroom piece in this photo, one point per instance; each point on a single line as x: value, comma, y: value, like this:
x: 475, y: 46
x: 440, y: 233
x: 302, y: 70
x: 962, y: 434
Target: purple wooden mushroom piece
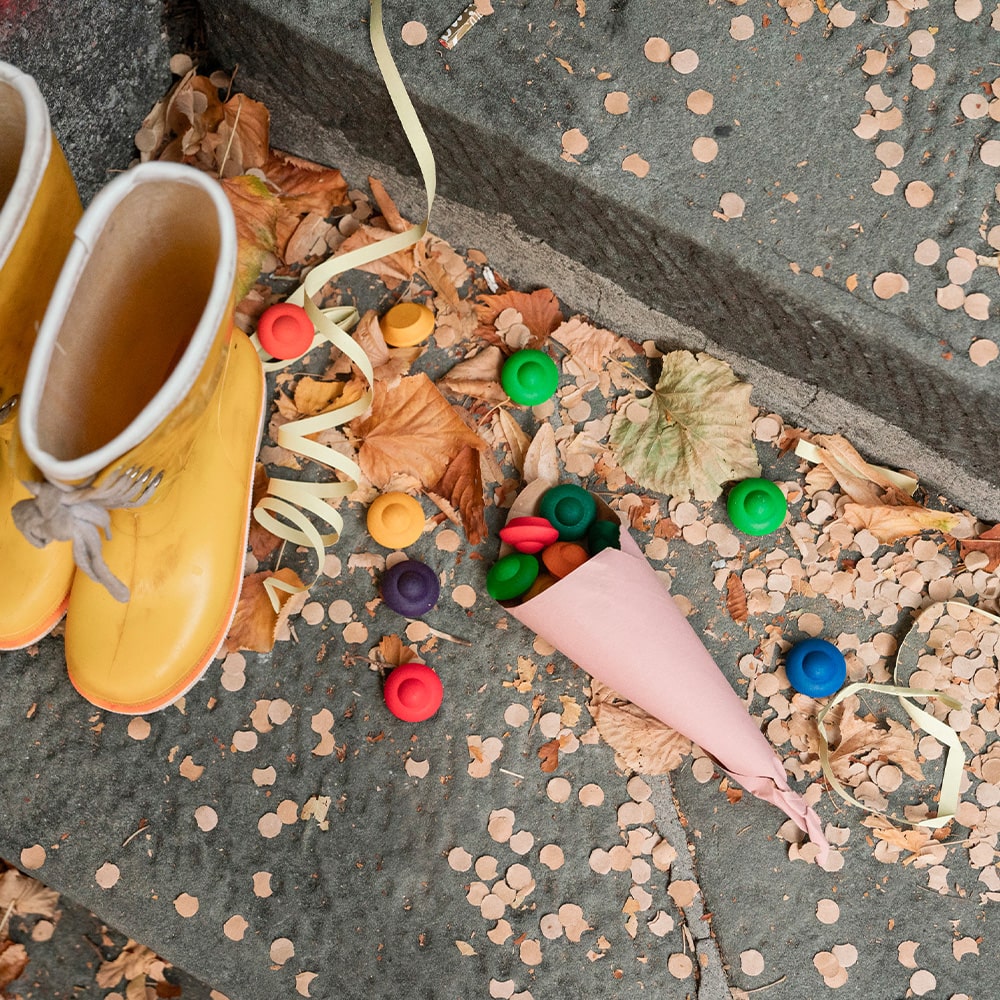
x: 410, y: 588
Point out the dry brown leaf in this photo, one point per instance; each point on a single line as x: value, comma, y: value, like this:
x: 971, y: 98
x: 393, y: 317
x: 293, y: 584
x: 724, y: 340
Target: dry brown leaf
x: 255, y: 620
x: 864, y: 739
x: 306, y: 241
x: 517, y: 441
x: 13, y: 961
x: 548, y: 754
x: 133, y: 960
x: 541, y: 460
x: 393, y: 268
x: 256, y: 212
x: 436, y: 275
x: 889, y: 524
x: 262, y: 542
x: 592, y: 346
x: 387, y: 207
x: 412, y: 429
x: 303, y: 186
x: 24, y: 895
x: 988, y: 542
x: 914, y: 839
x: 863, y: 483
x: 394, y: 651
x: 462, y: 486
x: 478, y: 376
x: 644, y: 743
x: 539, y: 311
x: 314, y: 396
x: 736, y: 598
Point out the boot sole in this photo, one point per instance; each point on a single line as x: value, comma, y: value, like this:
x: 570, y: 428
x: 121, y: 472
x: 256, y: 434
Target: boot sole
x: 28, y: 638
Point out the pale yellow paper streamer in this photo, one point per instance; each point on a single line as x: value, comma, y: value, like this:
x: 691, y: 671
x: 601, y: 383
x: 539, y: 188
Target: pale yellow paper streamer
x: 955, y: 760
x: 290, y: 498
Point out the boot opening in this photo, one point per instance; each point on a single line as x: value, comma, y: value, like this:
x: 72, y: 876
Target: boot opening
x: 13, y: 123
x: 135, y: 308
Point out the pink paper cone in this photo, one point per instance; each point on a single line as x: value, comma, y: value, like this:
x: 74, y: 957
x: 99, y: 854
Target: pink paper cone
x: 613, y: 617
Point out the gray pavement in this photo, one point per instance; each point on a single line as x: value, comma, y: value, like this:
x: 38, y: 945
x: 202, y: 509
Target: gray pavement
x: 377, y: 902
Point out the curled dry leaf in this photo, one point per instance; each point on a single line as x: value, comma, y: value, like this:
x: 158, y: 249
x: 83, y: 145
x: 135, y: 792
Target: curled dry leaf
x: 736, y: 598
x: 477, y: 376
x: 262, y: 542
x: 644, y: 743
x: 304, y: 187
x: 548, y: 754
x: 133, y: 960
x: 13, y: 961
x: 695, y: 431
x: 592, y: 346
x: 988, y: 542
x: 24, y: 895
x: 462, y: 486
x: 541, y: 460
x: 889, y: 524
x: 412, y: 429
x: 539, y: 311
x: 256, y: 212
x: 255, y: 621
x: 393, y: 651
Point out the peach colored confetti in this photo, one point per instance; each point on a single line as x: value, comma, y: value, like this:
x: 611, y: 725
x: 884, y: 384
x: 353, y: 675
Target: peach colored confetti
x: 922, y: 76
x: 341, y: 612
x: 459, y: 859
x: 927, y: 252
x: 867, y: 127
x: 521, y: 842
x: 32, y: 858
x: 530, y: 952
x: 906, y: 953
x: 464, y: 596
x: 186, y: 904
x: 417, y: 768
x: 244, y: 740
x: 574, y: 142
x: 235, y: 927
x: 661, y: 924
x: 638, y: 789
x: 889, y: 153
x: 418, y: 631
x: 950, y: 296
x: 303, y: 981
x: 591, y: 795
x: 680, y: 965
x: 139, y: 728
x: 682, y: 891
x: 492, y: 907
x: 600, y: 861
x: 684, y: 61
x: 550, y: 926
x: 974, y: 106
x: 846, y: 954
x: 922, y: 982
x: 921, y: 43
x: 43, y: 931
x: 279, y: 711
x: 656, y: 50
x: 313, y: 613
x: 206, y: 818
x: 616, y: 103
x: 968, y: 10
x: 518, y: 877
x: 841, y: 17
x: 447, y: 540
x: 486, y: 867
x: 827, y: 964
x: 827, y: 911
x: 516, y: 715
x: 964, y: 946
x: 889, y: 283
x: 234, y: 663
x: 501, y: 825
x: 558, y: 789
x: 877, y: 98
x: 702, y: 770
x: 282, y: 949
x: 355, y: 633
x: 732, y: 205
x: 918, y: 194
x: 551, y: 855
x: 269, y: 825
x: 977, y: 305
x: 107, y: 875
x: 414, y: 33
x: 500, y: 933
x: 875, y: 62
x: 700, y: 102
x: 888, y: 181
x: 704, y: 149
x: 502, y: 990
x: 190, y: 770
x: 741, y: 28
x: 751, y: 962
x: 635, y: 164
x: 262, y: 885
x: 989, y: 152
x: 982, y: 352
x: 287, y: 812
x: 332, y: 566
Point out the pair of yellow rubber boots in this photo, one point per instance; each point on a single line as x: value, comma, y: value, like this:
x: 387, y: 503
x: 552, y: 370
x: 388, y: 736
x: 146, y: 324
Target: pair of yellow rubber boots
x: 130, y: 414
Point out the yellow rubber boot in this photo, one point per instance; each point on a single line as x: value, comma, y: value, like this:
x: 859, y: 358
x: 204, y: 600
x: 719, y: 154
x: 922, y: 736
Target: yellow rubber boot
x: 142, y: 408
x: 39, y: 206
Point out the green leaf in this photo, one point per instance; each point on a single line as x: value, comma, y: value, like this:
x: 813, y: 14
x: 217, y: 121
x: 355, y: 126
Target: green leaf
x: 693, y: 434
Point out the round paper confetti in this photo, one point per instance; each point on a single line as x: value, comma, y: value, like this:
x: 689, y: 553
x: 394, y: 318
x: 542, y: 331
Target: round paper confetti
x: 975, y: 106
x: 551, y: 855
x: 414, y: 33
x: 680, y: 966
x: 656, y: 50
x: 282, y: 949
x: 989, y: 152
x: 235, y: 927
x: 574, y: 142
x: 888, y: 181
x: 616, y: 103
x: 262, y: 885
x: 186, y: 904
x: 982, y: 352
x: 685, y: 61
x: 33, y: 857
x: 464, y: 596
x: 922, y: 76
x: 888, y: 284
x: 635, y: 164
x: 704, y: 149
x: 922, y: 982
x: 968, y: 10
x: 827, y: 911
x: 591, y: 795
x: 918, y: 194
x: 927, y: 252
x: 950, y: 297
x: 459, y: 859
x: 700, y: 102
x: 139, y: 728
x: 921, y: 43
x: 269, y: 825
x: 977, y: 306
x: 751, y: 962
x: 889, y: 153
x: 303, y: 981
x: 341, y: 612
x: 206, y: 818
x: 732, y: 205
x: 741, y: 28
x: 558, y: 789
x: 107, y: 875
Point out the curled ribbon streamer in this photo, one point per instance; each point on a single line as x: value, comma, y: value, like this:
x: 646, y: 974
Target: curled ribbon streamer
x: 288, y: 499
x: 955, y: 760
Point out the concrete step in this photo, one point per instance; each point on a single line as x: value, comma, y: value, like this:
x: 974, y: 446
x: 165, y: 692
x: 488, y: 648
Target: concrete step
x: 517, y: 117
